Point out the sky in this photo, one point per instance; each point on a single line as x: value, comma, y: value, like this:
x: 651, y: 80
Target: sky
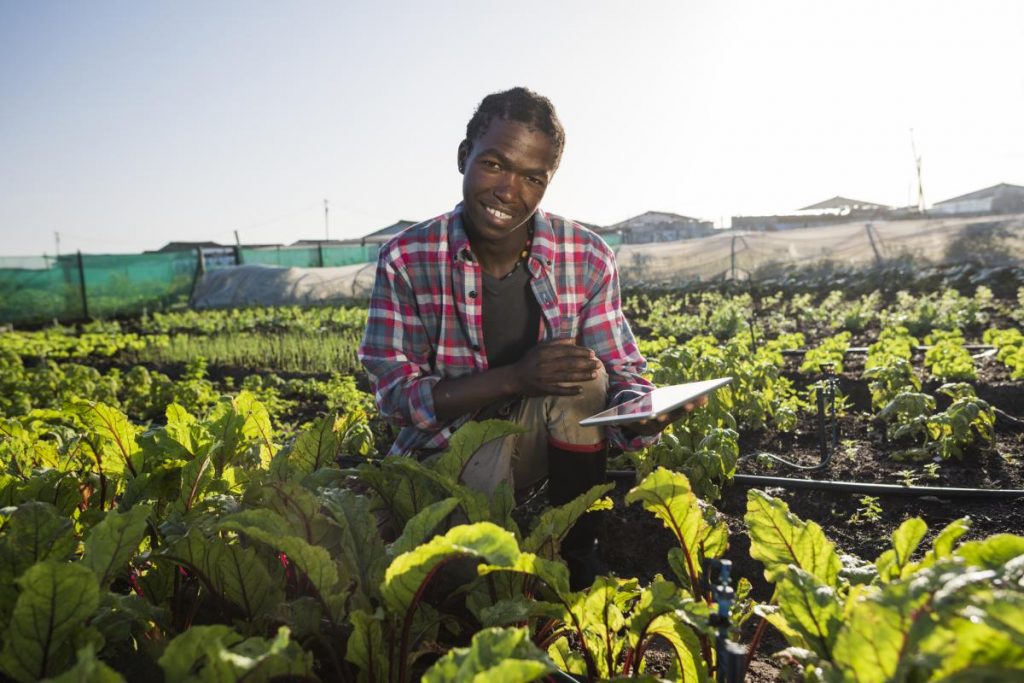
x: 125, y: 125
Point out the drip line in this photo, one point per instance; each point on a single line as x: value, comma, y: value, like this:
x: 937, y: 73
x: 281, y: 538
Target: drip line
x: 855, y: 486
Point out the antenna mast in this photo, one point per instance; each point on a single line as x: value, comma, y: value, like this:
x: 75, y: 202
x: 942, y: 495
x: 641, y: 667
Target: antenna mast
x: 920, y: 183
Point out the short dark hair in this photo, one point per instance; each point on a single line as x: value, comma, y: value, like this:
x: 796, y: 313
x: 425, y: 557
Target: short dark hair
x: 522, y: 105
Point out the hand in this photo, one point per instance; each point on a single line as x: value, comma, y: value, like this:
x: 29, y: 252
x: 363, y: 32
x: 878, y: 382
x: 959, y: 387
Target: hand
x: 555, y: 368
x: 655, y: 425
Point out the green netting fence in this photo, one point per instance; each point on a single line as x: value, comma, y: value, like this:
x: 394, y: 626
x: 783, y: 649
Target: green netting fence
x: 309, y: 257
x: 80, y: 286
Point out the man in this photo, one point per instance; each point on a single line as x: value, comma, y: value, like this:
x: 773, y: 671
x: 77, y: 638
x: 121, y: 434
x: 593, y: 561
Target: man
x: 499, y: 309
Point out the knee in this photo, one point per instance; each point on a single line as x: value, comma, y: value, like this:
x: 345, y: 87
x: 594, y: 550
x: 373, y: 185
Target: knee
x: 592, y: 397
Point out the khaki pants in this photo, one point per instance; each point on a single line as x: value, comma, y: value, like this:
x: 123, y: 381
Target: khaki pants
x: 522, y: 459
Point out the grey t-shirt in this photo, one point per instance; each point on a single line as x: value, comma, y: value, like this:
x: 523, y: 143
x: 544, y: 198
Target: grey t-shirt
x: 511, y: 317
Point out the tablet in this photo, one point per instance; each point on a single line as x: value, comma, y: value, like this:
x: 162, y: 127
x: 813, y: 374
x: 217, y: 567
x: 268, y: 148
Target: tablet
x: 658, y: 402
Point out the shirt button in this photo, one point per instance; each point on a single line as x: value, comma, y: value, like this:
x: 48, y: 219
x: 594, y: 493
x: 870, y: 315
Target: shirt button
x: 476, y: 347
x: 472, y: 294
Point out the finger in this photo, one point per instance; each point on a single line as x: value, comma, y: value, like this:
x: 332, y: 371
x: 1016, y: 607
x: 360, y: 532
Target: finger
x: 561, y: 351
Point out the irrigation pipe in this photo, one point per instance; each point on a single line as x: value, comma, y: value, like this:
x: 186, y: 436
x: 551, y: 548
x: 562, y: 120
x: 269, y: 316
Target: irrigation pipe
x: 884, y: 489
x: 856, y: 486
x: 854, y: 350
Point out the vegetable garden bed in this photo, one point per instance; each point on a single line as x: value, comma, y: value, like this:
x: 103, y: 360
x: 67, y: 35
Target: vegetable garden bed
x: 148, y: 486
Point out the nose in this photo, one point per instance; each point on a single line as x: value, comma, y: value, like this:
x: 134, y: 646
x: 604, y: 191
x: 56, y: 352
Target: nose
x: 504, y: 189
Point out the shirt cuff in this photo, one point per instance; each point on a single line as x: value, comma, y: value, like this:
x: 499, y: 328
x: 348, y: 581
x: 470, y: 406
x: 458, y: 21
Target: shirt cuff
x: 421, y: 404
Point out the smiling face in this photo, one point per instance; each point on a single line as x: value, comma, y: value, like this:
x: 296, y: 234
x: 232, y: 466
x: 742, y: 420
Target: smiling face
x: 505, y: 173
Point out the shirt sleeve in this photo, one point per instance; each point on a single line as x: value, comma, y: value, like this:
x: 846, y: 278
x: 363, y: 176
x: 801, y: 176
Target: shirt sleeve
x: 396, y: 351
x: 606, y: 331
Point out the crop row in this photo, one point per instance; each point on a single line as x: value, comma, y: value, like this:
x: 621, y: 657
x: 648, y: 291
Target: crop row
x: 206, y: 550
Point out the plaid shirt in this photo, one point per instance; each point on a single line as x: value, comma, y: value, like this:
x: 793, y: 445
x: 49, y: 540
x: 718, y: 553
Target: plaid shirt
x: 426, y: 322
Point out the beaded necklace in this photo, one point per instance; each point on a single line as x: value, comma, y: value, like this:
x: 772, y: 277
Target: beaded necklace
x: 524, y: 254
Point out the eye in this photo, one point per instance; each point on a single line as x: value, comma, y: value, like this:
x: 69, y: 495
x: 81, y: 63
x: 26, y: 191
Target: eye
x: 536, y: 181
x: 491, y: 164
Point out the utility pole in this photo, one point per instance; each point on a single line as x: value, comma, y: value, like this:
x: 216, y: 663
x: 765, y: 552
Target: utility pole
x: 327, y: 225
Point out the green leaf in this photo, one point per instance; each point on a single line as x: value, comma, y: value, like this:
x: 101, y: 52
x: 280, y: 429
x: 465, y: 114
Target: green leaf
x: 992, y: 552
x: 553, y: 573
x: 300, y: 508
x: 211, y: 654
x: 35, y: 532
x: 362, y: 554
x: 237, y: 424
x: 88, y: 669
x: 811, y: 608
x: 476, y: 505
x: 54, y: 603
x: 894, y: 564
x: 495, y: 655
x: 402, y: 486
x: 316, y: 446
x: 112, y: 542
x: 466, y: 441
x: 366, y: 647
x: 943, y: 544
x: 407, y: 572
x: 315, y: 562
x: 115, y: 435
x: 422, y: 526
x: 669, y: 497
x: 661, y: 611
x: 685, y: 645
x: 183, y: 428
x: 555, y: 522
x: 515, y: 610
x: 234, y: 572
x: 196, y: 476
x: 779, y: 538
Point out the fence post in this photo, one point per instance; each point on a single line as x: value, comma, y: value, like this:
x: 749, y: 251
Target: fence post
x: 320, y: 251
x: 200, y: 271
x: 871, y: 238
x: 732, y: 258
x: 81, y: 285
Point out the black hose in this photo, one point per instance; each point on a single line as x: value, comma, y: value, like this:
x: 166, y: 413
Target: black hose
x: 854, y: 486
x: 885, y: 489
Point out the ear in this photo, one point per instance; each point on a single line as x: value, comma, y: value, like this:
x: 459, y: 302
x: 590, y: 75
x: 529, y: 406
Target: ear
x: 464, y: 148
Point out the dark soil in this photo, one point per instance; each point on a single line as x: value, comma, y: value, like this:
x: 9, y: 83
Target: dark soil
x: 634, y: 543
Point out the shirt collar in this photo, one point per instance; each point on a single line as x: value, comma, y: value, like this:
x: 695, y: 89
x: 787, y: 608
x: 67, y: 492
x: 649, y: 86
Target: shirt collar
x: 543, y: 249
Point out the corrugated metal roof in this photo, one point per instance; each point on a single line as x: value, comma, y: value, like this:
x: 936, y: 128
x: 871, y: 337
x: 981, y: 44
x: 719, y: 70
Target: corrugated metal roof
x: 987, y: 192
x: 838, y: 202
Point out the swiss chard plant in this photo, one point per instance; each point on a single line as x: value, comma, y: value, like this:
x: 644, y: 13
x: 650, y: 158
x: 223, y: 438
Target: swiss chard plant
x: 951, y: 612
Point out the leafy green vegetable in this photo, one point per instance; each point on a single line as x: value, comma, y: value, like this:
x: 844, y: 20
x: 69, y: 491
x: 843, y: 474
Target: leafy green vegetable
x: 494, y: 654
x: 54, y: 602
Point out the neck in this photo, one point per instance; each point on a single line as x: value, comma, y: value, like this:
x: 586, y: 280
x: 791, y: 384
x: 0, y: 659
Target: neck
x: 500, y: 258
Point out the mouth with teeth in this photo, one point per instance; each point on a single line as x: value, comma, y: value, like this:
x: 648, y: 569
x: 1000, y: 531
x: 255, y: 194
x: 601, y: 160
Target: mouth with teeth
x: 498, y: 214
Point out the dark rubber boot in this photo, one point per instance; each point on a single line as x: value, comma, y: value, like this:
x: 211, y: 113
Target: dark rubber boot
x: 571, y: 473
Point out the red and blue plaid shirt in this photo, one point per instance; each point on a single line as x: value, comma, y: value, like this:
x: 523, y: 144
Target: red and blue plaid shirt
x: 426, y: 322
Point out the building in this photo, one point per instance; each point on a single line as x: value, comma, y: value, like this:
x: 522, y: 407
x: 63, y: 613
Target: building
x: 659, y: 226
x: 319, y: 243
x: 384, y: 234
x: 1001, y: 198
x: 831, y: 211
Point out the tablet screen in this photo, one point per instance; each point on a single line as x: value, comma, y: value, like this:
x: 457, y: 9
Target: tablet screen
x: 658, y: 402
